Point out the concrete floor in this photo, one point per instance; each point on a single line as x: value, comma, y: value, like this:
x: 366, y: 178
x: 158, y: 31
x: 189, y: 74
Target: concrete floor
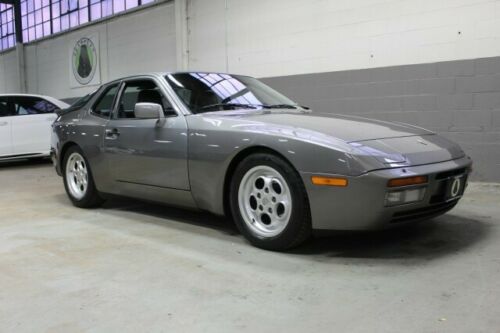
x: 135, y: 267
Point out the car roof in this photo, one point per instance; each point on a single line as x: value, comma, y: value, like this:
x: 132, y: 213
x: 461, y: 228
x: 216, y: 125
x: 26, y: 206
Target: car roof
x: 162, y: 74
x: 24, y: 95
x: 54, y: 100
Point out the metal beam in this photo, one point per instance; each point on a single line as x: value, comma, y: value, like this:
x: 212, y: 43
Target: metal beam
x: 17, y: 21
x: 17, y: 18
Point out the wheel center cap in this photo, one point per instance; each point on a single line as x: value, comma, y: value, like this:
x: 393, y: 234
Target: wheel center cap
x: 265, y: 201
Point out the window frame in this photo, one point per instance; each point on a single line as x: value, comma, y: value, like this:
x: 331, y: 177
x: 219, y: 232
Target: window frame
x: 174, y: 112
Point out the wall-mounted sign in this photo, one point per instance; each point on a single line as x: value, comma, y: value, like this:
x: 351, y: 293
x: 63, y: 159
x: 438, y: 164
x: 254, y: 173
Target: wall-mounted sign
x: 84, y: 62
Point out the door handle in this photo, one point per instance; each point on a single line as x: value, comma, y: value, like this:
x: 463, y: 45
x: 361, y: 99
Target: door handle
x: 112, y: 133
x: 3, y: 123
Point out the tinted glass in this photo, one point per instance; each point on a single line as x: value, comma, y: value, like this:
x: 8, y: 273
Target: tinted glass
x: 4, y: 109
x: 143, y: 91
x: 104, y: 104
x: 80, y: 103
x: 31, y: 105
x: 204, y: 92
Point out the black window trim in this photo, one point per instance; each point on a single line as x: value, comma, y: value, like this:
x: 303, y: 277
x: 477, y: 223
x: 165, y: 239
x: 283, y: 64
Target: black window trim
x: 105, y: 88
x: 11, y: 106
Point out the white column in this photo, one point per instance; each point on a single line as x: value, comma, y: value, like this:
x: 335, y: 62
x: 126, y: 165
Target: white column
x: 21, y: 69
x: 181, y: 29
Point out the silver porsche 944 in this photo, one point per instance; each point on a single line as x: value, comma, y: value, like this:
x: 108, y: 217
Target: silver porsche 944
x: 229, y: 144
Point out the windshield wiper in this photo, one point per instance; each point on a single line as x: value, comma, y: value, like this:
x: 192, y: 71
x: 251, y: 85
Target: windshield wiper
x: 231, y: 105
x: 280, y: 106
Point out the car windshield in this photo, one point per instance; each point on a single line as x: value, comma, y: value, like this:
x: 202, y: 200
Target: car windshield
x: 208, y: 92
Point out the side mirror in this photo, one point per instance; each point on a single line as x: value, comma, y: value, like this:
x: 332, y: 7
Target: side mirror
x: 150, y: 111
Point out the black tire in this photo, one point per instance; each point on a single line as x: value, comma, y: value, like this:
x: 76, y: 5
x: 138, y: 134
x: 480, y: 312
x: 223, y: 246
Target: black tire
x: 91, y: 198
x: 298, y: 229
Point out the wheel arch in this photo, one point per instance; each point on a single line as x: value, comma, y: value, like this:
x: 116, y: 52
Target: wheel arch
x: 64, y: 149
x: 237, y: 159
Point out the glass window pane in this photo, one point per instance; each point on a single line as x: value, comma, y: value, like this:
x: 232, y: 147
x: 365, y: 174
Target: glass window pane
x: 64, y: 6
x: 105, y: 102
x: 65, y: 22
x: 39, y: 31
x: 55, y: 10
x: 118, y: 6
x: 107, y: 8
x: 46, y: 29
x: 31, y: 34
x: 38, y: 16
x: 84, y: 15
x: 32, y: 105
x: 56, y: 25
x: 31, y: 6
x: 31, y: 20
x: 131, y: 3
x: 73, y: 19
x: 46, y: 13
x: 73, y: 4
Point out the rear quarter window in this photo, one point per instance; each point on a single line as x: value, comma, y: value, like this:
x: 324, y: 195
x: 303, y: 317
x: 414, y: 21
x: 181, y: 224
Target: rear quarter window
x: 104, y: 104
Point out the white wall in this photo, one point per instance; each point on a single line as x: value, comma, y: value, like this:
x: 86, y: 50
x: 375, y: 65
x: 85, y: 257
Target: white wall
x: 285, y: 37
x: 9, y: 78
x: 137, y: 42
x: 268, y: 38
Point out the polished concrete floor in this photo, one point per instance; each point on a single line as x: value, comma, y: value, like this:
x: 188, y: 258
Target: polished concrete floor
x: 136, y: 267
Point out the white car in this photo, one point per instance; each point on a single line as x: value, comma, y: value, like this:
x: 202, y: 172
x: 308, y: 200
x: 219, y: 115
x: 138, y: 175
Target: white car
x: 25, y: 125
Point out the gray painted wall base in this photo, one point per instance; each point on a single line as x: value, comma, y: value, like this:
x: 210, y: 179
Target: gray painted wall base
x: 458, y: 99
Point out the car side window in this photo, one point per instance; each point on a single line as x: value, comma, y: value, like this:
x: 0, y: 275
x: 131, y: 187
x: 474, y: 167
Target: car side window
x: 142, y: 91
x: 4, y: 107
x: 31, y: 105
x: 104, y: 104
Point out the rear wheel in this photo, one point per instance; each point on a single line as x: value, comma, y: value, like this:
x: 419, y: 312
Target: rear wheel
x: 269, y: 203
x: 78, y: 180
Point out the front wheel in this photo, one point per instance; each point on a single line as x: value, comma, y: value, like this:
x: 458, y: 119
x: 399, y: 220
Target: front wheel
x: 269, y: 203
x: 78, y: 180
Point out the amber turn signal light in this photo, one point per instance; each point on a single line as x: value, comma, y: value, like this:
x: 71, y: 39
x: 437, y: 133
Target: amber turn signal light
x: 417, y: 180
x: 329, y: 181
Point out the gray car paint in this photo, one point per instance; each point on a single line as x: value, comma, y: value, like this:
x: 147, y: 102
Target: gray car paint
x: 188, y: 161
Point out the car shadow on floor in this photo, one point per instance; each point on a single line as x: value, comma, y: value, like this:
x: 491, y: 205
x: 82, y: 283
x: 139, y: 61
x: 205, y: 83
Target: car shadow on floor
x: 446, y: 235
x: 26, y: 163
x: 191, y: 217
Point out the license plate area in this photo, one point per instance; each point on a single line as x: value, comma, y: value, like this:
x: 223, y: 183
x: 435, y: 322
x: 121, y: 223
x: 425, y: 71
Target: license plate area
x: 455, y: 187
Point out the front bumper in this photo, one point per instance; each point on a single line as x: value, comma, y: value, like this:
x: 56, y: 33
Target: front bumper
x: 361, y: 205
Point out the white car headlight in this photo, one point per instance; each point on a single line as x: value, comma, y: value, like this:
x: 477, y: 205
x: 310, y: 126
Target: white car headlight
x: 401, y: 197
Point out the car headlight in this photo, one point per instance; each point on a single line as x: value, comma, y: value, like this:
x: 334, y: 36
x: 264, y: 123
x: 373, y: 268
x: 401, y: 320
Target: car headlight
x: 400, y: 197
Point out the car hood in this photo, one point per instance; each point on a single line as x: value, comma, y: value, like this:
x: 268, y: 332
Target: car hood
x: 343, y: 127
x: 375, y: 144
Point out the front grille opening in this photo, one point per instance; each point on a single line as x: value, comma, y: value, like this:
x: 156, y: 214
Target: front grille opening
x: 423, y: 213
x: 451, y: 173
x: 439, y: 193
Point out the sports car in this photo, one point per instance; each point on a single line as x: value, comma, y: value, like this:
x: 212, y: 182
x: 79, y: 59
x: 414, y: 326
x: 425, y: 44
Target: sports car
x: 230, y: 145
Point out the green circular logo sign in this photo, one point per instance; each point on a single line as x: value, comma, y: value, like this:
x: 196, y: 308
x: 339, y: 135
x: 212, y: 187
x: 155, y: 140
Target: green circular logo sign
x: 84, y: 60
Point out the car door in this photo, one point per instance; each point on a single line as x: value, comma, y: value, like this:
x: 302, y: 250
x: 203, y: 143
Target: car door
x: 138, y: 150
x: 31, y: 123
x: 5, y: 128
